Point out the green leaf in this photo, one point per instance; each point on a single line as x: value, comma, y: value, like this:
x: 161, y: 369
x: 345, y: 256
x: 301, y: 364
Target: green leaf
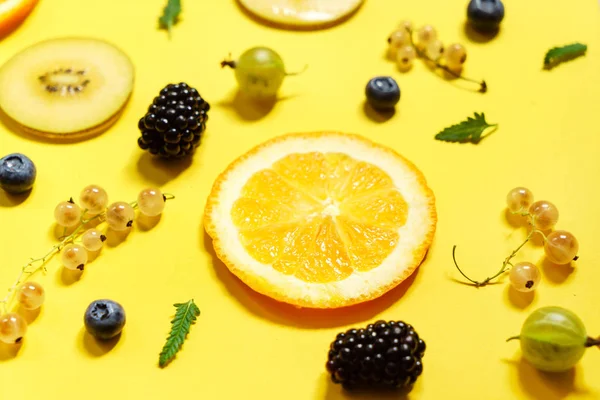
x: 170, y: 15
x: 466, y: 131
x: 559, y: 55
x: 185, y: 316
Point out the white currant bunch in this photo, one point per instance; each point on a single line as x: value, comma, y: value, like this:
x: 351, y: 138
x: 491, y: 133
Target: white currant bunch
x: 404, y: 49
x: 560, y: 247
x: 93, y: 206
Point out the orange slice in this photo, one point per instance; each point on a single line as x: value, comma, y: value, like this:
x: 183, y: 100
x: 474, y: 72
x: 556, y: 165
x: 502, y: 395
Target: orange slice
x: 321, y: 220
x: 13, y: 12
x: 302, y: 13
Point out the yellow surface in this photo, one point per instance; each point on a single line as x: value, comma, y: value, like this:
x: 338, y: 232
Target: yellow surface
x: 244, y: 345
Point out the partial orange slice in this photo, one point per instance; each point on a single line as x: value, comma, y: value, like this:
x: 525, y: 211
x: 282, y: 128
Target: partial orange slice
x: 302, y: 13
x: 321, y: 220
x: 13, y: 12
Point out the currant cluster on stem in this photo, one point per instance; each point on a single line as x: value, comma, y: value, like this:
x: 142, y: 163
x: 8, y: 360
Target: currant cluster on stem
x: 85, y: 237
x: 404, y: 49
x: 560, y: 246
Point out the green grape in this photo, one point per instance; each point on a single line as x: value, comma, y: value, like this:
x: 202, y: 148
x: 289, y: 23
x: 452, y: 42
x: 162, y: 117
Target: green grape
x: 259, y: 72
x: 553, y: 339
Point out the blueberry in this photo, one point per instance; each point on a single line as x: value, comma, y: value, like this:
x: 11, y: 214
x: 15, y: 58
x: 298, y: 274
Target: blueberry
x: 104, y: 319
x: 383, y: 93
x: 485, y: 15
x: 17, y: 173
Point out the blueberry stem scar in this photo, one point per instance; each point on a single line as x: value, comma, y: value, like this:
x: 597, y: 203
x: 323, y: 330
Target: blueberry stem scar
x: 34, y: 265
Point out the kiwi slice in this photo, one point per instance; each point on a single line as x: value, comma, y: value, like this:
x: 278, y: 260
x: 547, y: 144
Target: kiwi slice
x: 66, y: 87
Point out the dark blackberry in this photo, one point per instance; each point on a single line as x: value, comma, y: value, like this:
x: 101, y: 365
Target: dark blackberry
x: 384, y: 355
x: 174, y: 123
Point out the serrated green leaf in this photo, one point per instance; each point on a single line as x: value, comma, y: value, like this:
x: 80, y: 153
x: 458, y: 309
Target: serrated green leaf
x: 185, y: 316
x: 170, y: 15
x: 557, y: 55
x: 469, y: 130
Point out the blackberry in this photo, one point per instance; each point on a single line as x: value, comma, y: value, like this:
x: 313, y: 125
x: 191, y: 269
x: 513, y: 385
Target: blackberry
x: 384, y: 355
x: 174, y: 123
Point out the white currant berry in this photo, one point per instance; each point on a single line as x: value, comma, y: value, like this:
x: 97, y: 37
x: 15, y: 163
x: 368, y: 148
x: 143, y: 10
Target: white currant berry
x: 405, y: 57
x: 544, y: 214
x: 519, y: 199
x: 524, y: 276
x: 67, y: 214
x: 94, y: 199
x: 74, y: 257
x: 151, y: 202
x: 455, y: 56
x: 426, y: 35
x: 120, y: 215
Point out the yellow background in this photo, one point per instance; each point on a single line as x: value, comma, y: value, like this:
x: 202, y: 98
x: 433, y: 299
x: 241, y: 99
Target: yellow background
x: 245, y: 345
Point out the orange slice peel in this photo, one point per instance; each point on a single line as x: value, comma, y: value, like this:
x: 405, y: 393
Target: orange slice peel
x: 13, y: 13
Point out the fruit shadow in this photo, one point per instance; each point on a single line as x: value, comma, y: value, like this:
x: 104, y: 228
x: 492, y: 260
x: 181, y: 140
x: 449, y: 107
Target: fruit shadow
x: 336, y: 392
x: 145, y: 222
x: 12, y: 200
x: 9, y: 351
x: 377, y: 116
x: 95, y: 347
x: 159, y: 170
x: 115, y: 238
x: 477, y: 36
x: 514, y: 220
x: 249, y: 109
x: 13, y: 126
x: 519, y: 300
x: 309, y: 318
x: 67, y: 277
x: 29, y: 315
x: 545, y: 385
x: 556, y: 273
x: 276, y: 25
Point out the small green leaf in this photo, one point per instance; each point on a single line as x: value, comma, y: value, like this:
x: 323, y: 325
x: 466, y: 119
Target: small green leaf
x: 185, y: 316
x: 559, y: 55
x: 469, y: 130
x: 170, y: 15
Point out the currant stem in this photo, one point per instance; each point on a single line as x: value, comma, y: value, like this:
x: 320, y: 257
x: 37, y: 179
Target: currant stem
x: 26, y: 270
x: 482, y: 84
x: 505, y: 265
x: 297, y: 72
x: 513, y: 338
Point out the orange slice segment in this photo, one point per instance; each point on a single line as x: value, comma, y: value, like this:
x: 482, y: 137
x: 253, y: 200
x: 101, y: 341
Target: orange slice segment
x: 340, y: 222
x: 268, y: 244
x: 383, y: 208
x: 367, y: 245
